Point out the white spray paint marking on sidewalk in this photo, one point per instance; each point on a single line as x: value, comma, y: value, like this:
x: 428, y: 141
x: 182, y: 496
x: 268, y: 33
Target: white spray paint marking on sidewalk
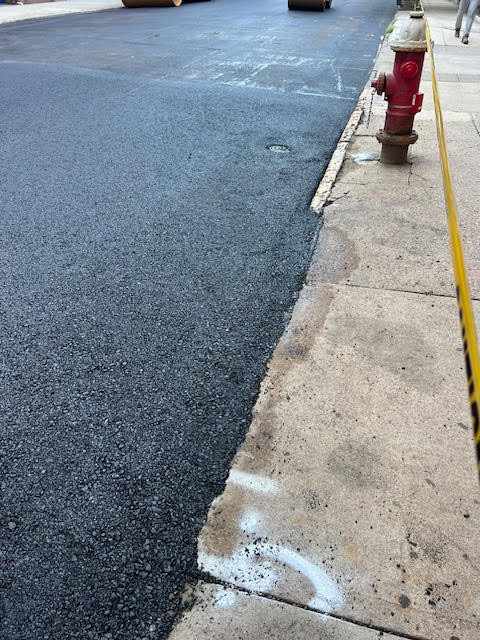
x: 253, y: 482
x: 327, y: 594
x: 251, y: 522
x: 243, y: 569
x: 259, y: 565
x: 255, y: 567
x: 224, y: 599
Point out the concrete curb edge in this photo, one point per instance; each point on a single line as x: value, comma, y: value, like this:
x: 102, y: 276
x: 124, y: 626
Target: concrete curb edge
x: 336, y: 161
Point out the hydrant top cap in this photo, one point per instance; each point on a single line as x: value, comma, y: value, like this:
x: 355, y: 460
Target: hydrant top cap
x: 409, y: 35
x: 416, y: 14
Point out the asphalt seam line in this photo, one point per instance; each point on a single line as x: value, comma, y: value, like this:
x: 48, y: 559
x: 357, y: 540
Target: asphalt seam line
x: 210, y: 579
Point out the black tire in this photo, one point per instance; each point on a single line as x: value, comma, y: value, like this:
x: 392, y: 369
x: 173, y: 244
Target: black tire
x: 315, y: 5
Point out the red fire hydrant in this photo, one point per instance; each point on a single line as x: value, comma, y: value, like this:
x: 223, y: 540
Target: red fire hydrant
x: 408, y: 40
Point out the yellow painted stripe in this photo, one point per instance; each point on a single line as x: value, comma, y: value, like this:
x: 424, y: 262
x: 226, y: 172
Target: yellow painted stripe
x: 467, y: 322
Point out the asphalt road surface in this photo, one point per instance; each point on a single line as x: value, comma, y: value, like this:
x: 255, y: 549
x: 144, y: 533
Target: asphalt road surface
x: 157, y: 166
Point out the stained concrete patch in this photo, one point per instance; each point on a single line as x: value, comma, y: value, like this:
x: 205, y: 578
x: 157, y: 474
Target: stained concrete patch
x: 221, y: 613
x: 403, y: 247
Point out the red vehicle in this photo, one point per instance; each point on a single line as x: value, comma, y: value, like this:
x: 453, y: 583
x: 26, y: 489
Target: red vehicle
x: 154, y: 3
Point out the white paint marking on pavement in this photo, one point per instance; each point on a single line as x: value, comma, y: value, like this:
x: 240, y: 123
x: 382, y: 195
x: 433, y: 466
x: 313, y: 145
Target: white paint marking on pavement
x: 224, y: 599
x: 336, y: 72
x: 365, y: 158
x: 261, y: 67
x: 239, y: 569
x: 253, y: 482
x: 244, y: 569
x: 330, y: 96
x: 327, y: 594
x: 251, y: 522
x: 325, y: 187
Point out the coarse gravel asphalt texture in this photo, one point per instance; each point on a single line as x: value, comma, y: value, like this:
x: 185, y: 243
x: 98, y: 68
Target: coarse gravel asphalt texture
x: 157, y: 166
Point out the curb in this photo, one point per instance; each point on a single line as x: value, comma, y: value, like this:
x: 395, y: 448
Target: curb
x: 324, y: 189
x: 336, y: 161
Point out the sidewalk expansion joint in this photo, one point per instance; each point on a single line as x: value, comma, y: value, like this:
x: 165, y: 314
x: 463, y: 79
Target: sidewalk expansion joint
x: 210, y: 579
x: 430, y: 294
x: 475, y: 124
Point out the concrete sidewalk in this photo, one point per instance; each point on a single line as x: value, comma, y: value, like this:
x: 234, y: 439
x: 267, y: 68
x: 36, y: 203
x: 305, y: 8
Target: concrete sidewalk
x: 16, y: 12
x: 352, y: 510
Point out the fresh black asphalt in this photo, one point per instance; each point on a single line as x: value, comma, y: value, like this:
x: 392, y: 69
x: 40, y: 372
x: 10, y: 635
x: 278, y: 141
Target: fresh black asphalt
x: 156, y: 169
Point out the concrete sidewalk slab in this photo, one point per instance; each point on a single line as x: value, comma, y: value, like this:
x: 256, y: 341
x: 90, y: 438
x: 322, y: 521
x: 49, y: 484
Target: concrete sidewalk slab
x: 407, y: 228
x: 371, y: 508
x: 222, y: 613
x: 17, y: 12
x: 449, y: 96
x: 397, y: 240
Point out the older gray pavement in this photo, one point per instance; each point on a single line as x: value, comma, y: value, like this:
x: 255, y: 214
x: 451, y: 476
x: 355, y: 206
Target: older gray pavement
x: 355, y: 495
x: 18, y: 12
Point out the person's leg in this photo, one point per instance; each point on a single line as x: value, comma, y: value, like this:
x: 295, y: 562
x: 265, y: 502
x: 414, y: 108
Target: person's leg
x: 462, y: 8
x: 472, y: 10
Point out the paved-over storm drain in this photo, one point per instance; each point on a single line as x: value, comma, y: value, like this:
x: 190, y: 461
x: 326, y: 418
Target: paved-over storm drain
x: 278, y: 148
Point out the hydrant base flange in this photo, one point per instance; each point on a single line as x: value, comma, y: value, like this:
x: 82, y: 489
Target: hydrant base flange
x: 396, y: 140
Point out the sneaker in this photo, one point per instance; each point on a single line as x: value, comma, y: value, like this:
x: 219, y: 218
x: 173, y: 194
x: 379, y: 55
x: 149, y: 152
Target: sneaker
x: 457, y: 33
x: 465, y: 39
